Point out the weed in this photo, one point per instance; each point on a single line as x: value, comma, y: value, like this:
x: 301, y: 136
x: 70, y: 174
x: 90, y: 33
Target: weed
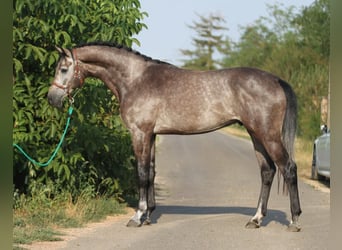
x: 24, y: 235
x: 303, y: 156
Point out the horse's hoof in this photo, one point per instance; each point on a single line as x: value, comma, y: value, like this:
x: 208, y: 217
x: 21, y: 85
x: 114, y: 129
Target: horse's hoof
x: 252, y: 225
x: 147, y: 222
x: 293, y: 227
x: 133, y: 223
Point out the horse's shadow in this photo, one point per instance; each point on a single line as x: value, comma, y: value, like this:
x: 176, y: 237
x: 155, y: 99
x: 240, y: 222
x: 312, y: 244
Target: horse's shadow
x: 272, y: 215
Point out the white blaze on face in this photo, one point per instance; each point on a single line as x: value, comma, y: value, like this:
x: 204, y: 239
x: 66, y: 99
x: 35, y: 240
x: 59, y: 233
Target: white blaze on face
x: 60, y: 87
x: 65, y: 71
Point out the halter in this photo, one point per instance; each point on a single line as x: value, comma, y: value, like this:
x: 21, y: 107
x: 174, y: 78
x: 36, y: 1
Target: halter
x: 77, y: 72
x: 77, y: 75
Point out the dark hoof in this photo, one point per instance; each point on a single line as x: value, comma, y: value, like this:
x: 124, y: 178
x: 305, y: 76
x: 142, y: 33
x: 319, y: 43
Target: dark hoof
x: 133, y: 223
x: 252, y: 225
x: 293, y: 227
x: 147, y: 222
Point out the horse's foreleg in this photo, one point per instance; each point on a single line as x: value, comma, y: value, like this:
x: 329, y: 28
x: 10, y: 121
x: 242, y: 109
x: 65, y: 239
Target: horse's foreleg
x: 142, y: 149
x: 267, y: 170
x: 137, y: 219
x: 151, y: 202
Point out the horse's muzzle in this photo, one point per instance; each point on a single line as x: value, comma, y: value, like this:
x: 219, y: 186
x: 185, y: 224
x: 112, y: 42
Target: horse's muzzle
x: 56, y: 96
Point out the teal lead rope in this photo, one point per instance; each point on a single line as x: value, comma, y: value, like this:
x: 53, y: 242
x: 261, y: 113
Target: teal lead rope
x: 55, y: 151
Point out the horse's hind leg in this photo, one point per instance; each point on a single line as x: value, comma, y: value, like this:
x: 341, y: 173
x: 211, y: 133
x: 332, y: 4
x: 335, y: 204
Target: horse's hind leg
x: 290, y: 177
x: 267, y: 170
x: 288, y: 169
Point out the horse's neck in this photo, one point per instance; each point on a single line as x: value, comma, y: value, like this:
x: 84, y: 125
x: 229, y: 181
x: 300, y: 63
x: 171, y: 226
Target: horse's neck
x: 110, y: 65
x: 97, y: 60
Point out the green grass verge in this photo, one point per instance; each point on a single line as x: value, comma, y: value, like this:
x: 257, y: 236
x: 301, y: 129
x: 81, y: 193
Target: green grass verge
x: 40, y: 218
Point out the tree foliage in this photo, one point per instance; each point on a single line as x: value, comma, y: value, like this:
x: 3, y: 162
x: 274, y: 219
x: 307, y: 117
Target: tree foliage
x: 97, y: 151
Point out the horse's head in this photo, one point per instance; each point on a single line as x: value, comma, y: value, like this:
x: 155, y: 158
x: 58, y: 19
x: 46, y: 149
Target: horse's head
x: 67, y: 77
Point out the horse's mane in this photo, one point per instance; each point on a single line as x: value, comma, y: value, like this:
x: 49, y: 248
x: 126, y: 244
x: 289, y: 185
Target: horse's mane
x: 118, y: 46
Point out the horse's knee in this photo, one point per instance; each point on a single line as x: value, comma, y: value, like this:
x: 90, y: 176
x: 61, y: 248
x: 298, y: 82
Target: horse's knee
x: 143, y: 175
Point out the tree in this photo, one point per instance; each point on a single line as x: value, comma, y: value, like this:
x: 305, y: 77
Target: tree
x: 209, y: 40
x: 313, y: 26
x: 254, y: 46
x: 313, y: 32
x: 97, y: 150
x: 260, y: 39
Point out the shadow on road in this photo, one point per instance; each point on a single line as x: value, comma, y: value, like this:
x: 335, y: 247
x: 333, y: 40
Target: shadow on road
x: 326, y: 182
x: 272, y: 215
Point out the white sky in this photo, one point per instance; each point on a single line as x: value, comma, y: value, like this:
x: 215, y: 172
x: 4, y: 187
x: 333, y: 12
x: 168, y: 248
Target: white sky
x: 167, y: 22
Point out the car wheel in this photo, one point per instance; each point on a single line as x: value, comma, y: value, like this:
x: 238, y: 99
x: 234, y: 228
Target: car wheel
x: 314, y: 172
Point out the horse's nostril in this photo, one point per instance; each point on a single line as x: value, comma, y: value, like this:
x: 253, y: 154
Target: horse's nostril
x: 55, y: 97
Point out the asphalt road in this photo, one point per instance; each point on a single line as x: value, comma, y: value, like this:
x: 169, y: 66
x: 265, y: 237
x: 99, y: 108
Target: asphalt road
x: 207, y: 190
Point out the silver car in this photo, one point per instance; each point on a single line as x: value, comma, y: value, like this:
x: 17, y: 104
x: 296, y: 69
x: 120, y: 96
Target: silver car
x: 321, y: 156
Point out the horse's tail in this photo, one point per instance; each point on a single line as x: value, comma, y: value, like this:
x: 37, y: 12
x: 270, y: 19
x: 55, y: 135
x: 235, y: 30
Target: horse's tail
x: 290, y: 119
x: 289, y: 125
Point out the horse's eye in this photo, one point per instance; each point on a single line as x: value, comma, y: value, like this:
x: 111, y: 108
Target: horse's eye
x: 64, y: 70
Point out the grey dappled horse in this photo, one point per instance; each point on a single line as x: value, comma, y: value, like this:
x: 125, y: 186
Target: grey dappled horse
x: 159, y: 98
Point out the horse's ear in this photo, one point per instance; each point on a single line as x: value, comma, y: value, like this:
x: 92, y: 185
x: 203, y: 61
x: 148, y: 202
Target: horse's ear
x: 60, y: 51
x: 63, y: 51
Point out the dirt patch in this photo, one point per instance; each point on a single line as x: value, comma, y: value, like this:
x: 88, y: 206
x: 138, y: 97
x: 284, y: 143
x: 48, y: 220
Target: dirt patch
x: 323, y: 186
x: 73, y: 233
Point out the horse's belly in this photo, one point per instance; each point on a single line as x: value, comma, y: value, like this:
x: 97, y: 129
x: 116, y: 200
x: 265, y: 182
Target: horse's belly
x: 191, y: 123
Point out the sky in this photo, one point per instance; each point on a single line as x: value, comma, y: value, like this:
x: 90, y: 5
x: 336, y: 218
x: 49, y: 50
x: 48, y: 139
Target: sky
x: 167, y: 22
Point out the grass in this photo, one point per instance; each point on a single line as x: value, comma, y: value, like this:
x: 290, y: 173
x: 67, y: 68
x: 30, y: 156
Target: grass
x: 303, y: 150
x: 303, y: 156
x: 26, y: 235
x: 40, y: 218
